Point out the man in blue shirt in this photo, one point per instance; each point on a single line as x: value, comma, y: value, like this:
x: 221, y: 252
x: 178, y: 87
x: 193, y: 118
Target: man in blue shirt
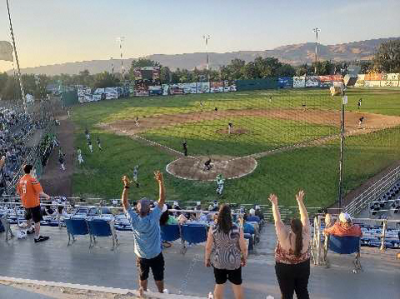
x: 146, y: 235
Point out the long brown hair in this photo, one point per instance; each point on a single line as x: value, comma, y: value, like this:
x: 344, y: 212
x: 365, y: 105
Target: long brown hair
x: 225, y: 218
x: 297, y: 229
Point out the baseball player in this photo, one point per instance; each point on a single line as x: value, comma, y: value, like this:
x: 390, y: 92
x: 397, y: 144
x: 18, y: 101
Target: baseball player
x: 359, y: 103
x: 185, y: 148
x: 137, y: 121
x: 135, y: 175
x: 207, y: 165
x: 61, y: 160
x: 90, y: 146
x: 220, y: 184
x: 87, y: 134
x: 80, y: 158
x: 99, y: 143
x: 361, y: 121
x: 230, y: 127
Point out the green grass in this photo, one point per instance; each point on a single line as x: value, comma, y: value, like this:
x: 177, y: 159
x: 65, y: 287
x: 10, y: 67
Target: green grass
x: 204, y: 137
x: 314, y: 169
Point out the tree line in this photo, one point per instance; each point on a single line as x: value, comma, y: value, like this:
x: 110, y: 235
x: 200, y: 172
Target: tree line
x: 386, y: 59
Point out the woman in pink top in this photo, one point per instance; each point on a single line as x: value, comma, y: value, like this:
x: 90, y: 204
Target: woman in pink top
x: 292, y: 252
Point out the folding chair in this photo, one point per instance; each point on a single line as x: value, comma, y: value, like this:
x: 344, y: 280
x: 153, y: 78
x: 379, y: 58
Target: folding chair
x: 193, y: 234
x: 77, y: 227
x: 344, y: 245
x: 99, y: 227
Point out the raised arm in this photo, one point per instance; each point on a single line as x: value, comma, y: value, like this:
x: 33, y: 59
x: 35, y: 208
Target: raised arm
x: 303, y: 211
x: 275, y: 210
x: 124, y: 198
x: 160, y: 179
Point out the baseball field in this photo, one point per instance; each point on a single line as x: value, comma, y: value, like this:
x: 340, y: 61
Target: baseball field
x: 279, y: 141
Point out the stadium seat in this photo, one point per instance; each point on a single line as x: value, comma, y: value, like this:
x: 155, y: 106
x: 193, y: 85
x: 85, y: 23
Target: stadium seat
x: 193, y: 234
x: 77, y: 227
x: 170, y: 233
x: 102, y: 228
x: 344, y: 245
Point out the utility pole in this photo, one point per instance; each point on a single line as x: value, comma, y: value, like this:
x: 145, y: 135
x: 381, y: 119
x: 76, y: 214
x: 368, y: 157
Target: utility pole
x: 21, y: 85
x: 341, y: 161
x: 206, y: 38
x: 120, y: 40
x: 316, y: 30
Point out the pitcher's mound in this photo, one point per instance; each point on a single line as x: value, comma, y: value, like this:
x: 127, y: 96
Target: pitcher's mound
x: 194, y: 168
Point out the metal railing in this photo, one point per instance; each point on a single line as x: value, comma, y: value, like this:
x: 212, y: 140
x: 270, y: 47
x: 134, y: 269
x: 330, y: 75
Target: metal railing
x: 373, y: 192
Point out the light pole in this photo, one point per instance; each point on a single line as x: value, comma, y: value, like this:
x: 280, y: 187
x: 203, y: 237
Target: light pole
x: 120, y: 40
x: 206, y: 38
x: 341, y: 161
x: 316, y: 30
x: 21, y: 85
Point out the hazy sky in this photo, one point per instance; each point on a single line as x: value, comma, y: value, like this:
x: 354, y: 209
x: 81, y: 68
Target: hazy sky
x: 57, y: 31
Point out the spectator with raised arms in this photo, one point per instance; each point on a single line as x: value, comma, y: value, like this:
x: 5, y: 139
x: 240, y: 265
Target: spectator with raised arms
x: 292, y: 252
x: 146, y: 235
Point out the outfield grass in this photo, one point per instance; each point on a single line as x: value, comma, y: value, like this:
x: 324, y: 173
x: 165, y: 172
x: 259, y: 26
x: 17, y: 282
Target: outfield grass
x: 315, y: 169
x: 204, y: 137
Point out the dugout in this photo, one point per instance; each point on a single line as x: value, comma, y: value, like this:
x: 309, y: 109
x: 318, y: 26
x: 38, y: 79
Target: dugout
x: 257, y: 84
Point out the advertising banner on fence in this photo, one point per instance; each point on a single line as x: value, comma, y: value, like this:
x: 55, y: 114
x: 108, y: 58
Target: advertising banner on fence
x: 390, y: 83
x: 391, y: 77
x: 373, y: 77
x: 217, y: 86
x: 372, y: 83
x: 203, y: 87
x: 299, y: 82
x: 312, y: 81
x: 285, y: 82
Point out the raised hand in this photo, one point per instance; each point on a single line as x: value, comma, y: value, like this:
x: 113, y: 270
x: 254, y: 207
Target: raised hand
x: 273, y: 199
x: 158, y: 176
x: 300, y: 196
x: 126, y: 181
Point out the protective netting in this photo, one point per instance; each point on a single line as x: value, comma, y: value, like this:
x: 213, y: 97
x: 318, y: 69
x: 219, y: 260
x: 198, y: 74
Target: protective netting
x: 258, y: 142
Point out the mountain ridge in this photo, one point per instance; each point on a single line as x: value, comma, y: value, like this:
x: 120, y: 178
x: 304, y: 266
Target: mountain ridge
x: 293, y: 54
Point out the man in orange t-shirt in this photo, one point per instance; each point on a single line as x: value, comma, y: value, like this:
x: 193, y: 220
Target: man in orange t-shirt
x: 30, y: 190
x: 344, y: 227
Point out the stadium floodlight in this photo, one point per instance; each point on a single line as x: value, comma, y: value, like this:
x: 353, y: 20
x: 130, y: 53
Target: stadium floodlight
x: 120, y: 40
x: 206, y: 38
x: 316, y: 30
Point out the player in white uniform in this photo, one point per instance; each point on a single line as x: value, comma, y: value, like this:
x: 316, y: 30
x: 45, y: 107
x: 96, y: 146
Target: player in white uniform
x: 80, y: 158
x: 220, y: 184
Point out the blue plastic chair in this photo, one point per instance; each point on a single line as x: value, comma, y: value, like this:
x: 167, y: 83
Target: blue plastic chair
x: 345, y: 245
x: 170, y: 233
x: 77, y: 227
x: 102, y: 228
x: 193, y: 234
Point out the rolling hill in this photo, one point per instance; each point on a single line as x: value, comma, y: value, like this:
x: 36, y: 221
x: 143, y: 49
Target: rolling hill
x: 293, y: 54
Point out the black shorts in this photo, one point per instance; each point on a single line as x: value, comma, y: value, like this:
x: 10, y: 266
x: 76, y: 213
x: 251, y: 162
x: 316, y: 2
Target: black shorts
x: 156, y: 265
x: 34, y: 213
x: 234, y: 276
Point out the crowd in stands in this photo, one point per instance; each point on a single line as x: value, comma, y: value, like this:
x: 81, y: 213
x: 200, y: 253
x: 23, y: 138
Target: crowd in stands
x: 14, y: 128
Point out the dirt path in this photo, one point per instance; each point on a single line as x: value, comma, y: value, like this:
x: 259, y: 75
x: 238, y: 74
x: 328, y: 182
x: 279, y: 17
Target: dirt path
x: 372, y: 122
x: 54, y: 180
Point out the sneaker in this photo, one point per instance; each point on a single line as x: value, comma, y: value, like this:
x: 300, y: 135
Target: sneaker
x: 166, y: 291
x: 41, y: 239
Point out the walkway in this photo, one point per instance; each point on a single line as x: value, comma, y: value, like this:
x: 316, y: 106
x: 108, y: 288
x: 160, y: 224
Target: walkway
x: 54, y: 261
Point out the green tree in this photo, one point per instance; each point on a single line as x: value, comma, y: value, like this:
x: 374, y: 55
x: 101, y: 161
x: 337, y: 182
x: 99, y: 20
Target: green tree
x: 285, y: 70
x: 105, y: 79
x: 387, y: 58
